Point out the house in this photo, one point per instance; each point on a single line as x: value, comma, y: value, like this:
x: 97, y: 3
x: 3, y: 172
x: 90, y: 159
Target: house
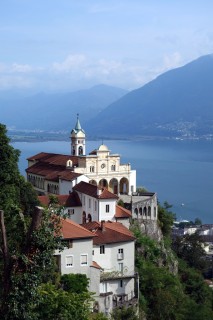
x: 114, y: 252
x: 88, y: 203
x: 77, y: 254
x: 104, y: 252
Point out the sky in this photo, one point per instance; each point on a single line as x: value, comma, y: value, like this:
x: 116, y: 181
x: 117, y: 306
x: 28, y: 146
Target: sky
x: 67, y: 45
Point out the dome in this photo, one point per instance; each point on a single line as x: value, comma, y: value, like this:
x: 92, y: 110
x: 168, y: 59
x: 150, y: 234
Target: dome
x: 103, y: 147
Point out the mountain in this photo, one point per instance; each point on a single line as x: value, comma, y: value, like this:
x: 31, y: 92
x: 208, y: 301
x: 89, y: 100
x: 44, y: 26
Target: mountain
x: 55, y: 111
x: 177, y: 103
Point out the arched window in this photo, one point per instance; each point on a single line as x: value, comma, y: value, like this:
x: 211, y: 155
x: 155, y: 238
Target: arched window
x: 144, y: 211
x: 69, y: 163
x: 89, y: 219
x: 136, y: 211
x: 140, y: 211
x: 80, y: 150
x: 113, y: 167
x: 149, y: 211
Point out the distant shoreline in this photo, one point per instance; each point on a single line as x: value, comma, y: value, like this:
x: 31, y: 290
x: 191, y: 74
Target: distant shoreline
x: 65, y: 137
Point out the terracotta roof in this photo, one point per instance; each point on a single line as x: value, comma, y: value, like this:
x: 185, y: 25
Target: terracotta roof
x: 109, y: 232
x: 92, y: 191
x: 122, y: 212
x: 72, y: 230
x: 68, y: 200
x: 96, y: 265
x: 52, y: 173
x: 54, y: 158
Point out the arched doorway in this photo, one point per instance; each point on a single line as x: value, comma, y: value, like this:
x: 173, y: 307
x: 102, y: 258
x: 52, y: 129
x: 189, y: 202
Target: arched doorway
x: 103, y: 183
x: 113, y: 186
x: 93, y: 182
x: 124, y: 186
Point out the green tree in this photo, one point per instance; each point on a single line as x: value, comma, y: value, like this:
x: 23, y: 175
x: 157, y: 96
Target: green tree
x: 28, y: 238
x: 58, y: 304
x: 77, y: 283
x: 190, y: 249
x: 166, y: 218
x: 123, y: 313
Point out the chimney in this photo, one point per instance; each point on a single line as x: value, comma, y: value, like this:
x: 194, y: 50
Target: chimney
x: 102, y: 225
x: 99, y: 191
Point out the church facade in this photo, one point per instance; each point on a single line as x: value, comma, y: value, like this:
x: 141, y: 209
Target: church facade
x: 58, y: 174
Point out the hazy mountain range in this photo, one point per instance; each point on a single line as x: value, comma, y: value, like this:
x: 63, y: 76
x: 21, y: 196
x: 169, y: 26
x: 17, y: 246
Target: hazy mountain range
x: 55, y: 111
x: 177, y: 103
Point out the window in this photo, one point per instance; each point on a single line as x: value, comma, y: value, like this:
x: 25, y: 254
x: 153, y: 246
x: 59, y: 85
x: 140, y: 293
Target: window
x: 120, y: 254
x: 121, y: 267
x: 93, y: 252
x: 70, y: 243
x: 113, y: 167
x: 84, y: 200
x: 70, y: 212
x: 89, y: 203
x: 121, y: 283
x: 107, y: 207
x: 92, y: 169
x: 84, y: 259
x: 69, y: 261
x: 95, y: 205
x: 102, y: 249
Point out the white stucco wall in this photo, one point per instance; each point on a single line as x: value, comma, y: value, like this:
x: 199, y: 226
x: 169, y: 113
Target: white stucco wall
x: 132, y: 181
x: 66, y: 186
x: 109, y: 260
x: 119, y: 287
x: 80, y: 247
x: 103, y: 215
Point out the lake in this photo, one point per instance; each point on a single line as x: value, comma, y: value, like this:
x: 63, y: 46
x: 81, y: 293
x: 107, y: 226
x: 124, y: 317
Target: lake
x: 181, y: 172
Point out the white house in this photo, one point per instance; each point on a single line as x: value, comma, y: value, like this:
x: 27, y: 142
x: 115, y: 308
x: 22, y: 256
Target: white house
x: 77, y: 254
x: 89, y: 203
x: 114, y: 251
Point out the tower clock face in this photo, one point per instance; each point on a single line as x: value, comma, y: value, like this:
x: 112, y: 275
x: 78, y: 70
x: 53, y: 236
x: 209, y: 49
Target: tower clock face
x: 103, y: 165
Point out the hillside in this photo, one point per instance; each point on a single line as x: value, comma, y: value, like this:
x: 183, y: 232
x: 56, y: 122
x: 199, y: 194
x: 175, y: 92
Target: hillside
x: 177, y: 103
x: 55, y: 111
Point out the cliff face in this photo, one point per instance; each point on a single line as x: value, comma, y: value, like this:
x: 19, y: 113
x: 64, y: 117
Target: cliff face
x: 165, y: 257
x: 151, y: 229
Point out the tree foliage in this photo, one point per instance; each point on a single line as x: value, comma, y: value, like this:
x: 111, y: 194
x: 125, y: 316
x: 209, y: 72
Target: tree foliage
x: 166, y: 218
x: 190, y: 248
x: 27, y: 237
x: 164, y: 295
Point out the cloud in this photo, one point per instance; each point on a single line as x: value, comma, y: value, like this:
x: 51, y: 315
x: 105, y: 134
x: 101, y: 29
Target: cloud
x: 72, y: 62
x: 21, y: 68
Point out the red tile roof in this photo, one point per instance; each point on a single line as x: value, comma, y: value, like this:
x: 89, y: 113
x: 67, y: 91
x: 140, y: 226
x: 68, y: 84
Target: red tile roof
x: 92, y: 191
x: 122, y: 212
x: 54, y: 158
x: 96, y: 265
x: 72, y: 230
x: 109, y: 232
x: 68, y: 200
x: 52, y: 173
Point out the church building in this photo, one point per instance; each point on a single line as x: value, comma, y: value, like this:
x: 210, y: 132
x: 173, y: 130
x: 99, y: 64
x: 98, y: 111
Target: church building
x: 52, y: 173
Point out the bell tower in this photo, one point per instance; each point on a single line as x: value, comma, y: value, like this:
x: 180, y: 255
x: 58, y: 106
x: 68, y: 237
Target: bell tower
x: 78, y: 136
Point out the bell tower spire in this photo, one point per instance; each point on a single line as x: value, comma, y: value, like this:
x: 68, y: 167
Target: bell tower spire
x: 78, y: 147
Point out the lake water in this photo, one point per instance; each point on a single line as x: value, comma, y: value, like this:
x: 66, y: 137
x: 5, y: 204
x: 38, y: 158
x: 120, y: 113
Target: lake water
x: 181, y: 172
